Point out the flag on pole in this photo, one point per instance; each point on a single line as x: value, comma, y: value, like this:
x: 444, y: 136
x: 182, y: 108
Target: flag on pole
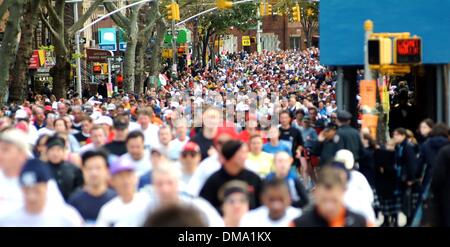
x: 162, y: 80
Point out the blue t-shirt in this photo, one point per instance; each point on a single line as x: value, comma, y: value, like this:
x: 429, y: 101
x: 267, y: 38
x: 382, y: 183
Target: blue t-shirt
x: 145, y: 179
x: 268, y: 148
x: 89, y: 206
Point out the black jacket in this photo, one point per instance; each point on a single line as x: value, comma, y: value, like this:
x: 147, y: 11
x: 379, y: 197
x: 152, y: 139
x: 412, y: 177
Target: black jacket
x: 427, y: 159
x: 406, y: 161
x: 440, y: 187
x: 351, y: 140
x: 67, y: 176
x: 327, y: 149
x: 311, y: 218
x: 215, y: 182
x: 386, y: 181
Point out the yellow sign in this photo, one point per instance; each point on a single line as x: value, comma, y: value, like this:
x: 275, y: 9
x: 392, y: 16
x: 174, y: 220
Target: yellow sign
x: 167, y: 53
x: 41, y: 57
x: 368, y: 91
x: 246, y: 41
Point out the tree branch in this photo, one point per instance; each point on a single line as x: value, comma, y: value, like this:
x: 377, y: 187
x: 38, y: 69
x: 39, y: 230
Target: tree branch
x: 79, y: 24
x: 49, y: 26
x: 4, y: 7
x: 118, y: 17
x: 52, y: 12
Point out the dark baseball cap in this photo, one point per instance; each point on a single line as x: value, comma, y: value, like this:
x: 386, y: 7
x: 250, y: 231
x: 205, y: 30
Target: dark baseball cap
x: 344, y: 115
x: 33, y: 172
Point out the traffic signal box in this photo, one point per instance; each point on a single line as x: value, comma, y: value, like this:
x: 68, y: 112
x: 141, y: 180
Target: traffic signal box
x: 173, y: 12
x: 380, y: 51
x: 265, y: 9
x: 222, y: 4
x: 394, y: 53
x: 296, y: 13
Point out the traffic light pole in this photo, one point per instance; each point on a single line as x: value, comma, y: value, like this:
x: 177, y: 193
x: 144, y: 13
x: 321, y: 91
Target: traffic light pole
x: 78, y: 50
x: 258, y: 32
x: 174, y: 48
x: 368, y: 27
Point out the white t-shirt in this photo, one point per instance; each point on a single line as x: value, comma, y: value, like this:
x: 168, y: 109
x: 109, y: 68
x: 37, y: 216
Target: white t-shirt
x: 52, y: 216
x: 175, y: 148
x: 259, y: 217
x: 359, y: 196
x: 87, y: 147
x: 150, y: 135
x: 45, y: 131
x: 116, y: 210
x: 133, y: 126
x: 11, y: 196
x: 141, y: 166
x: 210, y: 214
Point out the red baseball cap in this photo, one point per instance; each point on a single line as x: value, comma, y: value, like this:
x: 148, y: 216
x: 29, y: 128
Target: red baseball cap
x: 191, y: 147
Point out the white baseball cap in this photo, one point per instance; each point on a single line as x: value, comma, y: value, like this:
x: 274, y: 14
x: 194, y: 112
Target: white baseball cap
x: 20, y: 114
x: 104, y: 120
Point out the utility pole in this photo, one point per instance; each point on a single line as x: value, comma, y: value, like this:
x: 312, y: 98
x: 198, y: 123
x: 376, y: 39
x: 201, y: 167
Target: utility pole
x: 368, y: 28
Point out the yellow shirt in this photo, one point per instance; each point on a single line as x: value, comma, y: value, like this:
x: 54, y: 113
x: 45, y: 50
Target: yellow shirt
x: 262, y: 164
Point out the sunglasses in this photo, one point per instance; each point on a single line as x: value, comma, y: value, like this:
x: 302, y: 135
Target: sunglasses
x: 189, y: 153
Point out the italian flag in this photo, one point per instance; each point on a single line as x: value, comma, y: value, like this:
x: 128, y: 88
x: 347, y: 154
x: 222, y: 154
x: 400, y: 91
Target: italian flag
x: 162, y: 80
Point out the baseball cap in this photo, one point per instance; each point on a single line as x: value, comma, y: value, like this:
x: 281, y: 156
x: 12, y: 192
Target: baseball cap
x: 55, y: 141
x: 230, y: 148
x: 18, y: 138
x: 111, y: 107
x: 343, y: 115
x: 48, y: 108
x: 120, y: 165
x: 104, y: 120
x: 33, y: 172
x: 21, y: 114
x: 191, y: 147
x: 346, y: 157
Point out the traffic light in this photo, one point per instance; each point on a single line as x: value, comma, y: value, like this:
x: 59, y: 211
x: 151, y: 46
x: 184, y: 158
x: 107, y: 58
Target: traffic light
x: 104, y: 68
x: 296, y: 13
x: 269, y: 9
x: 223, y: 4
x: 309, y: 12
x: 173, y: 12
x: 407, y: 50
x: 380, y: 51
x: 265, y: 9
x: 97, y: 69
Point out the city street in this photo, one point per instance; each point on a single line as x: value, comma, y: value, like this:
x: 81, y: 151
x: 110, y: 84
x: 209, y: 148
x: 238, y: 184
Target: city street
x: 251, y: 113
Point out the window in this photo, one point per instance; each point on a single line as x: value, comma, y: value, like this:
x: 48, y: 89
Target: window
x: 294, y: 42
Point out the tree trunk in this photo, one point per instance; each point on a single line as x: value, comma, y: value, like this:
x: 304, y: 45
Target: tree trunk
x: 130, y: 54
x: 141, y: 48
x: 9, y: 46
x: 161, y: 28
x: 61, y: 74
x: 18, y: 86
x: 195, y: 42
x: 205, y: 47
